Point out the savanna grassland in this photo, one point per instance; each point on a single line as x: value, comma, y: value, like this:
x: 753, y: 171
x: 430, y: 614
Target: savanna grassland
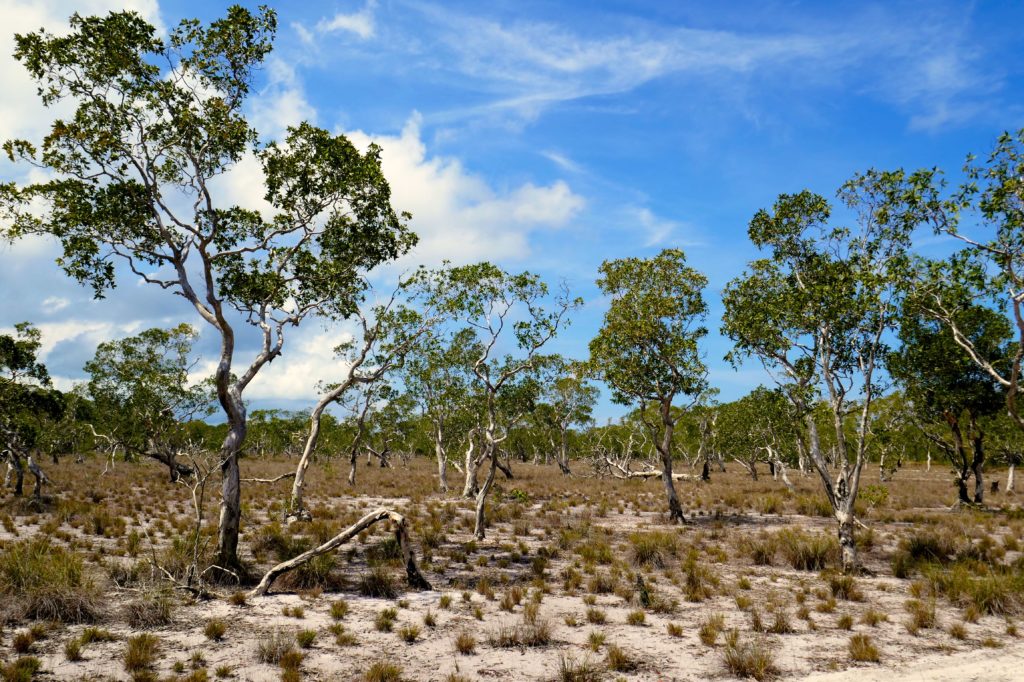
x: 580, y: 578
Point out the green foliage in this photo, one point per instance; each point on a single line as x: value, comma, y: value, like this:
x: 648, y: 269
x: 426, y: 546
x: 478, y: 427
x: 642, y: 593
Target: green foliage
x: 647, y: 348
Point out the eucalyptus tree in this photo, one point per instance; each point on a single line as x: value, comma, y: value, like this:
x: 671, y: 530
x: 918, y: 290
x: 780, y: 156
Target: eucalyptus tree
x: 134, y: 179
x: 27, y: 402
x: 512, y: 317
x: 438, y: 374
x: 815, y: 313
x: 571, y: 398
x: 758, y: 428
x: 990, y: 264
x: 142, y: 393
x: 387, y: 332
x: 943, y: 385
x: 647, y: 349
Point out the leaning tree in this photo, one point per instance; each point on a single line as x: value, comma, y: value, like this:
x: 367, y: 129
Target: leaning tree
x: 647, y: 348
x: 815, y: 313
x: 135, y: 178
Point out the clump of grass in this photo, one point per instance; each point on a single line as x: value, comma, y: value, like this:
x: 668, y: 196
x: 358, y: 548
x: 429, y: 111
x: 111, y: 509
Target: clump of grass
x: 596, y: 616
x: 922, y: 615
x: 844, y: 587
x: 22, y: 642
x: 572, y: 670
x: 710, y: 627
x: 271, y: 648
x: 845, y: 622
x: 215, y: 629
x: 636, y: 617
x: 750, y: 659
x: 409, y: 633
x: 863, y: 650
x: 22, y: 669
x: 237, y: 598
x: 652, y: 549
x: 618, y: 660
x: 385, y: 620
x: 445, y: 602
x: 305, y: 638
x: 378, y: 582
x: 339, y: 609
x: 595, y: 640
x: 73, y: 649
x: 674, y: 629
x: 43, y: 581
x: 465, y: 643
x: 149, y: 611
x: 430, y: 619
x: 761, y: 548
x: 140, y: 653
x: 807, y: 551
x: 873, y: 617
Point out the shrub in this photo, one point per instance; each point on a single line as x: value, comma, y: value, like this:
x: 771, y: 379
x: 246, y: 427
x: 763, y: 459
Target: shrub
x: 46, y: 582
x: 863, y: 650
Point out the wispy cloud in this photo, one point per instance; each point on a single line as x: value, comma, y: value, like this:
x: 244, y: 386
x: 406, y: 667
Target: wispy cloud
x: 360, y: 23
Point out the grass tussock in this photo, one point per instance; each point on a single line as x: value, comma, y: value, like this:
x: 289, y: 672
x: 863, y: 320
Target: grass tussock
x: 43, y: 581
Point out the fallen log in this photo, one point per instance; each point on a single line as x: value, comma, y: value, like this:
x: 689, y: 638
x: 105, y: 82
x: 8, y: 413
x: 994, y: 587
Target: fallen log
x: 415, y: 578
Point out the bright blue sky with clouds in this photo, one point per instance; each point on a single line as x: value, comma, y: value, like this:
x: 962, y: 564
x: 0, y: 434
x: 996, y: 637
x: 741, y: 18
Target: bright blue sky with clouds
x: 554, y: 135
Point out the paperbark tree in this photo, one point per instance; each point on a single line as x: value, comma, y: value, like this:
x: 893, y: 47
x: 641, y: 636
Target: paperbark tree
x: 814, y: 313
x: 943, y: 384
x: 134, y: 183
x: 647, y: 348
x: 387, y: 333
x: 497, y: 305
x: 571, y: 398
x: 142, y: 395
x: 437, y: 373
x: 27, y: 403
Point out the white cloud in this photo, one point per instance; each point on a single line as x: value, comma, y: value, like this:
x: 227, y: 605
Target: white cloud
x: 457, y: 214
x: 656, y: 230
x: 281, y: 103
x: 360, y: 23
x: 21, y: 113
x: 52, y: 304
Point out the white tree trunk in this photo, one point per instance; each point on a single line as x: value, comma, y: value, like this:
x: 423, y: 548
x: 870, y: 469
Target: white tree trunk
x: 1009, y: 478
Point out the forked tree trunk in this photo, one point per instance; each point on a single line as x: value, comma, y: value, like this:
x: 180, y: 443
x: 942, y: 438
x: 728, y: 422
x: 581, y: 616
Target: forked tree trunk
x: 563, y: 453
x: 415, y: 578
x: 481, y: 497
x: 37, y: 489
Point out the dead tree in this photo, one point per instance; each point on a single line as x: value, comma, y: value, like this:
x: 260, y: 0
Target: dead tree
x: 415, y: 578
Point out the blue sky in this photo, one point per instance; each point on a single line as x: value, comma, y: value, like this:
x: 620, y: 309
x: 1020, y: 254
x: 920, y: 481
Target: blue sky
x: 551, y: 136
